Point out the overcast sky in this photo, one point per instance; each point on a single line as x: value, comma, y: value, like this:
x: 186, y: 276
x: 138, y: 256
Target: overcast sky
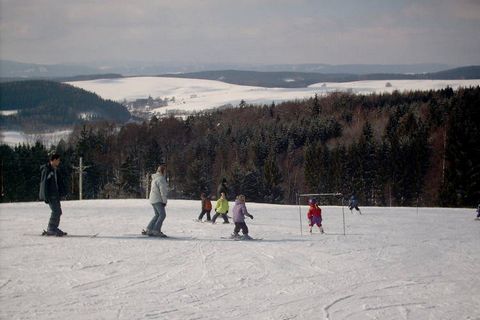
x: 241, y: 31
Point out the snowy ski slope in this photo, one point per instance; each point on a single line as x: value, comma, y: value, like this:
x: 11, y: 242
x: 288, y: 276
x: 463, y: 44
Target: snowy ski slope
x: 394, y: 263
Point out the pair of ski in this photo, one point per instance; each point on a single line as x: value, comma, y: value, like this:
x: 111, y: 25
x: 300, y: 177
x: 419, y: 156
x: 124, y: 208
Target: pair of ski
x: 144, y: 233
x: 65, y: 234
x: 202, y: 221
x: 209, y: 221
x: 241, y: 239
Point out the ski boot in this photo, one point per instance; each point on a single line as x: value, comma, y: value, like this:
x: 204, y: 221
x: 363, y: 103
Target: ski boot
x: 54, y: 232
x: 155, y: 233
x: 60, y: 233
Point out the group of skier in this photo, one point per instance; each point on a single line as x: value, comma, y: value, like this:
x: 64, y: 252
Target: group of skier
x: 52, y: 190
x: 314, y: 214
x: 222, y: 208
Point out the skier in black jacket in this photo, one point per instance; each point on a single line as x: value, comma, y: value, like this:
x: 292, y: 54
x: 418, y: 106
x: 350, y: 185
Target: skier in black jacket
x: 222, y: 188
x: 51, y: 191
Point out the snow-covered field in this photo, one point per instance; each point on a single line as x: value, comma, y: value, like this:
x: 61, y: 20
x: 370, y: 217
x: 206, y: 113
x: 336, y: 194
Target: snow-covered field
x: 393, y: 263
x: 197, y: 94
x: 17, y: 137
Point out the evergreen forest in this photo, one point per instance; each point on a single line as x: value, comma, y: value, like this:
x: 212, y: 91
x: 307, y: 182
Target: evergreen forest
x: 51, y: 104
x: 398, y: 149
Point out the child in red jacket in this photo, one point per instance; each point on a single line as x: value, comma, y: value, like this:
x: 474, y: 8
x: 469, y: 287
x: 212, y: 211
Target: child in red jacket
x: 314, y: 215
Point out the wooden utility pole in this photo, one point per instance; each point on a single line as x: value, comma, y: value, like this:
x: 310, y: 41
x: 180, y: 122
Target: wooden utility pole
x: 80, y: 169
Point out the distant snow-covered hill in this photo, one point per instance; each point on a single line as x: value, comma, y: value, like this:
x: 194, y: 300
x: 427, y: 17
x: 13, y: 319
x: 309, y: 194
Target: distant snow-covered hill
x: 193, y: 95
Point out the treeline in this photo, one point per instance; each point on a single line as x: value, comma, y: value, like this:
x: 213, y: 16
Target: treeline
x: 276, y: 79
x: 47, y: 104
x: 415, y: 148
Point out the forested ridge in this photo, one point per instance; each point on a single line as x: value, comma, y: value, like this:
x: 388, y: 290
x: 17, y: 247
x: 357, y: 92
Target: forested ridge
x: 400, y: 149
x: 295, y: 79
x: 47, y: 104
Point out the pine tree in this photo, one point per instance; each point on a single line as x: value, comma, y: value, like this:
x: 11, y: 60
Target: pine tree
x: 315, y: 107
x: 272, y: 179
x: 129, y: 178
x: 153, y: 156
x: 197, y: 179
x: 367, y: 165
x: 461, y: 186
x: 7, y: 174
x: 312, y: 176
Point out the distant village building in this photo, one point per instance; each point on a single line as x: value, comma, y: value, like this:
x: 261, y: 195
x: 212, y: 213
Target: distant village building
x: 143, y: 104
x: 142, y: 108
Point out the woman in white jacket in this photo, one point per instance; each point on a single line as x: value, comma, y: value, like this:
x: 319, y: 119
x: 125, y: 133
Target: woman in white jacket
x: 158, y: 199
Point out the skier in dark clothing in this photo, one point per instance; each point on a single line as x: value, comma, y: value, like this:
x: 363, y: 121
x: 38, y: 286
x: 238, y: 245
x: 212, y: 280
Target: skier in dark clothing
x: 51, y: 191
x: 478, y: 213
x: 222, y: 188
x: 206, y: 207
x: 353, y: 204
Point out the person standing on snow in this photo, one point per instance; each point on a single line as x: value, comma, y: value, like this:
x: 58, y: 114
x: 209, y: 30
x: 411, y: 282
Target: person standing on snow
x: 222, y: 188
x: 206, y: 207
x: 239, y: 213
x: 353, y: 204
x: 314, y: 215
x: 51, y: 191
x: 478, y: 213
x: 158, y: 199
x: 221, y: 209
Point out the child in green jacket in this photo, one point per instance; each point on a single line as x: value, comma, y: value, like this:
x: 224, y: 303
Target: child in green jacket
x: 221, y: 209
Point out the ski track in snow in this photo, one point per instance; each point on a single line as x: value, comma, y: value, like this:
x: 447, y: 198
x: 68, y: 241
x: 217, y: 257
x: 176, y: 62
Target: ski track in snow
x: 394, y: 263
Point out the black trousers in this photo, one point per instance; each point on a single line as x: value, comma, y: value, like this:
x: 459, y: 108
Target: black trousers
x: 200, y: 217
x: 240, y: 226
x: 54, y: 222
x: 224, y: 216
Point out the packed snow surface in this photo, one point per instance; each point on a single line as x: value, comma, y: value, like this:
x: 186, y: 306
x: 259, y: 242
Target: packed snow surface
x: 393, y: 263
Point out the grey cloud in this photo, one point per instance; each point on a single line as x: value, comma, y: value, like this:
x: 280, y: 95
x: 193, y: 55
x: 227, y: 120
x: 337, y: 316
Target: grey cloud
x: 258, y: 31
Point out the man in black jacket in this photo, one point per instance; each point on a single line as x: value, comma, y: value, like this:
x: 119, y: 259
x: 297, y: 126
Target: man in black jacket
x: 51, y: 190
x: 222, y: 188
